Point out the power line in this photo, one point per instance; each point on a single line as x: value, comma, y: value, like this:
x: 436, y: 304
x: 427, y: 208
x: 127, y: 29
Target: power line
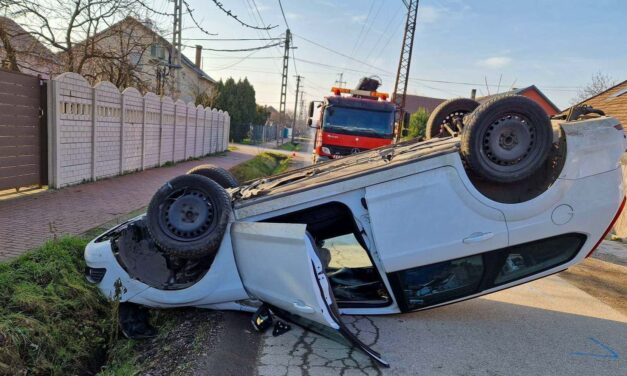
x: 234, y: 16
x: 191, y: 15
x: 238, y: 49
x: 283, y: 13
x: 230, y: 39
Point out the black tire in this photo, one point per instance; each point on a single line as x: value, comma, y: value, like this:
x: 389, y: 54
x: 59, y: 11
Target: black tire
x: 217, y: 174
x: 506, y: 139
x: 187, y: 217
x: 451, y: 113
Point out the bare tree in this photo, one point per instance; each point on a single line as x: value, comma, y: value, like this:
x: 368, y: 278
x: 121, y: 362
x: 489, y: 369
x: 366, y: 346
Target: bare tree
x: 73, y: 29
x: 11, y: 56
x: 599, y: 83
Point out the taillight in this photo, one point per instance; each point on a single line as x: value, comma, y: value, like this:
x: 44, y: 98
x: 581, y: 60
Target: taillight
x: 609, y: 228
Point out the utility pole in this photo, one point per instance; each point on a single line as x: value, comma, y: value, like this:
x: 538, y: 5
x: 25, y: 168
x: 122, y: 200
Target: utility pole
x: 282, y: 103
x: 339, y: 81
x: 175, y: 54
x: 298, y: 78
x: 404, y: 63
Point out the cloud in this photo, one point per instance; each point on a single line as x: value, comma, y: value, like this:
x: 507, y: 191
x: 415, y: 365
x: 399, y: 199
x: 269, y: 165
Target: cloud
x: 495, y: 62
x: 359, y: 19
x: 429, y: 14
x: 293, y: 16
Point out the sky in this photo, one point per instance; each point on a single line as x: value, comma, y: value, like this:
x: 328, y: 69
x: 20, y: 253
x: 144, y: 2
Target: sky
x: 490, y: 45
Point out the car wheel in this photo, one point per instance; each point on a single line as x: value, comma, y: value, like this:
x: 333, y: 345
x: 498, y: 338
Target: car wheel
x: 217, y: 174
x: 448, y: 117
x: 506, y: 139
x: 188, y: 216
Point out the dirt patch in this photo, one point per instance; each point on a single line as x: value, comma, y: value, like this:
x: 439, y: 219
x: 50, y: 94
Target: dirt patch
x: 603, y: 280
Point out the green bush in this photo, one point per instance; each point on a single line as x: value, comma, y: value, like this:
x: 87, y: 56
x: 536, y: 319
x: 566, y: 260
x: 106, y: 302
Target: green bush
x: 51, y: 320
x: 417, y: 124
x: 264, y: 164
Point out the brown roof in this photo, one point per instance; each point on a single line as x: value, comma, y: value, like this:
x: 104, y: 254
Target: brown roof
x: 32, y: 56
x: 414, y: 102
x: 528, y: 91
x: 612, y: 101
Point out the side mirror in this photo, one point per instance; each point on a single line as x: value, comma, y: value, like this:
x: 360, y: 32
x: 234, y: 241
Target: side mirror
x: 311, y: 124
x: 311, y: 109
x: 404, y: 132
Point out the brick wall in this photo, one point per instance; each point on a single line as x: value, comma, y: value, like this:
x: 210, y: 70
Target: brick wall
x: 98, y: 132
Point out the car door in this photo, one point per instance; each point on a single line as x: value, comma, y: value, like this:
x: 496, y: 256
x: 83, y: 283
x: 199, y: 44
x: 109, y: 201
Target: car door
x: 429, y: 233
x: 279, y: 265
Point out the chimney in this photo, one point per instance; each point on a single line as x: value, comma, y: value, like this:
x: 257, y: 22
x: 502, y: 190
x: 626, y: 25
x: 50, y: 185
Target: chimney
x: 198, y: 55
x: 473, y: 94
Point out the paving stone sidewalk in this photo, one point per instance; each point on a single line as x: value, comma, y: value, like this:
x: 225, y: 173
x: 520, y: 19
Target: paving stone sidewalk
x: 27, y: 222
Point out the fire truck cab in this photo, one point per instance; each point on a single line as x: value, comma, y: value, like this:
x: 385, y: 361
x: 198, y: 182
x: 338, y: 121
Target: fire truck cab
x: 351, y: 121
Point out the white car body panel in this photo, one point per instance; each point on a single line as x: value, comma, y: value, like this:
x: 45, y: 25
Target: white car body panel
x: 221, y: 284
x: 442, y: 220
x: 275, y: 264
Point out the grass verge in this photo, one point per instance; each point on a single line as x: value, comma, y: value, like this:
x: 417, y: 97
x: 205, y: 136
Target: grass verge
x: 52, y: 321
x: 290, y: 146
x: 264, y: 164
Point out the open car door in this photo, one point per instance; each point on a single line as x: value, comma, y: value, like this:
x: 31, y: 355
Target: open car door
x: 279, y: 265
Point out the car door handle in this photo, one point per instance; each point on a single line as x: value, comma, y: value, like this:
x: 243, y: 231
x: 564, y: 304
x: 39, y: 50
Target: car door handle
x: 304, y: 308
x: 478, y: 237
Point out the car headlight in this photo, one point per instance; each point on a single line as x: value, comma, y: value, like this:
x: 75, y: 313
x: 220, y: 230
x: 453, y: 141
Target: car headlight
x: 326, y: 150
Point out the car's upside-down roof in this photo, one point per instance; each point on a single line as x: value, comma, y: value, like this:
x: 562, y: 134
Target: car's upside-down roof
x: 333, y: 171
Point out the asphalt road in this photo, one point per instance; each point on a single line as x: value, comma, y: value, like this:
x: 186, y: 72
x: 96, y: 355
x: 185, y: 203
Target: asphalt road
x: 547, y: 327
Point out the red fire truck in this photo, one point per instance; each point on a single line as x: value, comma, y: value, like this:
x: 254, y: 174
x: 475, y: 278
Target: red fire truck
x: 352, y: 120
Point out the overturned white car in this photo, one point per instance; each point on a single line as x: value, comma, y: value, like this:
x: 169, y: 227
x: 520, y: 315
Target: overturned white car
x: 509, y: 197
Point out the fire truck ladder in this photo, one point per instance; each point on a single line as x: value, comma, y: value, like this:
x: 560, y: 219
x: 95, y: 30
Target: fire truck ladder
x: 402, y: 74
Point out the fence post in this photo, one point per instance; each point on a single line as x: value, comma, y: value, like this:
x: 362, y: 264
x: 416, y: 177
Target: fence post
x: 53, y: 134
x: 122, y: 121
x: 143, y: 166
x: 93, y: 133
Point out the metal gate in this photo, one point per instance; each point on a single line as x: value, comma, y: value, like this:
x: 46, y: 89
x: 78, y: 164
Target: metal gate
x: 23, y: 145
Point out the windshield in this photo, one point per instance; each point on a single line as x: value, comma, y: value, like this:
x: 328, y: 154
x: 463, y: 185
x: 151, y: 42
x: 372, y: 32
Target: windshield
x: 358, y: 122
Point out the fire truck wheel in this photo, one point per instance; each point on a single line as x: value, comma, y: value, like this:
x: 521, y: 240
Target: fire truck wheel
x: 448, y: 117
x: 188, y: 216
x: 217, y: 174
x: 506, y: 139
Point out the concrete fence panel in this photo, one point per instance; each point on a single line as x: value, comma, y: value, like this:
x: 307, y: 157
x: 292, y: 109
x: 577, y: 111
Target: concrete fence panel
x: 107, y: 136
x: 220, y: 129
x: 214, y: 130
x: 180, y: 127
x: 168, y: 119
x: 97, y: 132
x: 207, y: 135
x: 226, y: 130
x: 133, y: 129
x: 200, y: 131
x: 152, y: 130
x: 190, y: 131
x: 72, y: 130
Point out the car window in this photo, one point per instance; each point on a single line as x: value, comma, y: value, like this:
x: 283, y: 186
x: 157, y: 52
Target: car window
x: 432, y: 284
x: 353, y: 277
x: 526, y: 259
x: 450, y: 280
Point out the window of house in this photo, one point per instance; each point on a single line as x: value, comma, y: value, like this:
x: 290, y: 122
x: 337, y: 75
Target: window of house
x: 134, y: 58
